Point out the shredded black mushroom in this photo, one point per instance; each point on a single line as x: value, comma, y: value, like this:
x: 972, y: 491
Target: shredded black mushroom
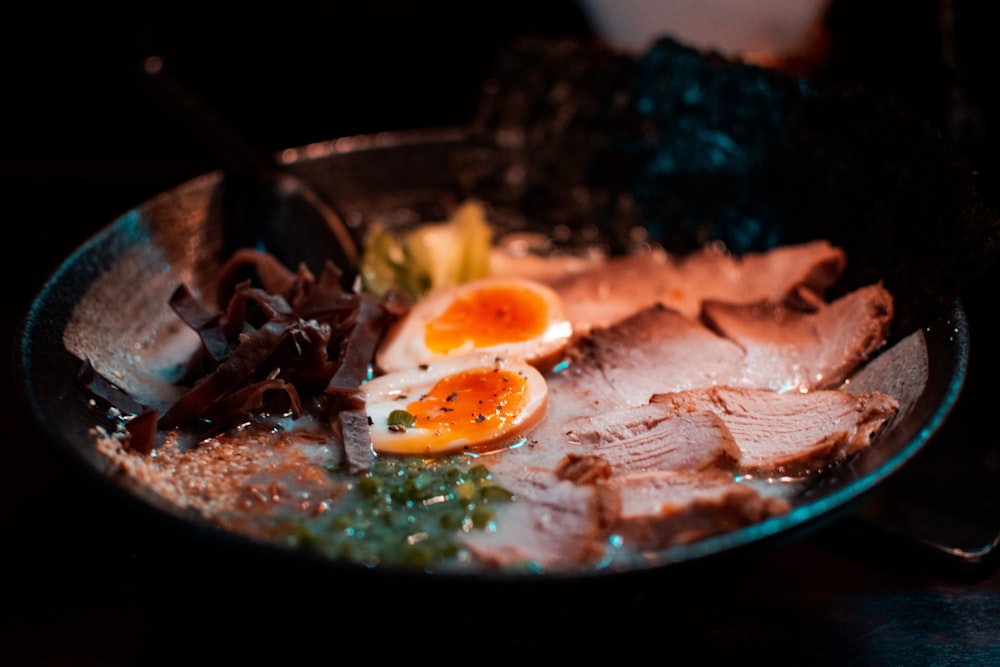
x: 277, y: 341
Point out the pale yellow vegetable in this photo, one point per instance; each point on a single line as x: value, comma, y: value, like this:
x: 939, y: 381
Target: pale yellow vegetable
x: 429, y: 257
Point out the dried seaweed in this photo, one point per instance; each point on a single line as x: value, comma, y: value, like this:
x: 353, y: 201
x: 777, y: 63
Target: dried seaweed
x: 696, y: 148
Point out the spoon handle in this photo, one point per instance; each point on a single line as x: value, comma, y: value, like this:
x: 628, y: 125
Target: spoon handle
x: 959, y: 543
x: 234, y: 152
x: 268, y: 206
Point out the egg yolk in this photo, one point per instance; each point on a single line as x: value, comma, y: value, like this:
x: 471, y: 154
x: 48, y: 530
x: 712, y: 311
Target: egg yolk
x: 486, y: 317
x: 472, y: 404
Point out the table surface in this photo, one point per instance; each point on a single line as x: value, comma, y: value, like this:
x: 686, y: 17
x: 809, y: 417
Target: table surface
x: 86, y: 580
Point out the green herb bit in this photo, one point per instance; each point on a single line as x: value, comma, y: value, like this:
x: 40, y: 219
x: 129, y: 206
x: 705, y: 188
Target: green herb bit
x: 402, y: 418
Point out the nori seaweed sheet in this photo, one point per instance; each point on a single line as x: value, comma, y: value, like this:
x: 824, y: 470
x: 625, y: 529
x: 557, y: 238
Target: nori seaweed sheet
x: 698, y: 148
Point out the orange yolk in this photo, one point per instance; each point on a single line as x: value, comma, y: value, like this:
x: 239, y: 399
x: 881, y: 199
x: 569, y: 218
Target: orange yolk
x: 472, y: 404
x: 489, y: 316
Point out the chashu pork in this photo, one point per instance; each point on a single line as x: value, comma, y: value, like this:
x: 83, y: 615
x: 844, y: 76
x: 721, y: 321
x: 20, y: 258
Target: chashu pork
x: 753, y: 346
x: 669, y: 462
x: 787, y: 349
x: 568, y: 516
x: 788, y: 433
x: 660, y: 509
x: 554, y: 523
x: 724, y: 428
x: 609, y: 292
x: 650, y: 437
x: 659, y: 350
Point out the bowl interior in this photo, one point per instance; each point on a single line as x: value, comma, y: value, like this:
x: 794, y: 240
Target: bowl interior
x: 108, y: 303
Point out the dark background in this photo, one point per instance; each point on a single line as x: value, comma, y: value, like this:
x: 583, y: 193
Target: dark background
x: 83, y: 581
x: 76, y: 123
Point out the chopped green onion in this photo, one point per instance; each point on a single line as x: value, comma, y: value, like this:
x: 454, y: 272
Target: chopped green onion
x: 402, y: 418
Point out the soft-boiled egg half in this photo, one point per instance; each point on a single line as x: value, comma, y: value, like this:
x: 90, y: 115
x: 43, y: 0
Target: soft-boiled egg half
x: 462, y: 403
x: 512, y: 317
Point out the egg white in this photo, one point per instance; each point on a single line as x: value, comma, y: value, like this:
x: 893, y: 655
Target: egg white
x: 404, y: 346
x: 393, y: 391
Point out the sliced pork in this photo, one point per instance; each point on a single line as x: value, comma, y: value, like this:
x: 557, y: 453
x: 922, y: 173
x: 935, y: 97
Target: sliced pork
x: 662, y: 509
x: 650, y: 437
x: 787, y: 349
x: 621, y: 286
x: 754, y: 346
x: 788, y: 433
x: 660, y: 410
x: 659, y: 350
x: 554, y: 522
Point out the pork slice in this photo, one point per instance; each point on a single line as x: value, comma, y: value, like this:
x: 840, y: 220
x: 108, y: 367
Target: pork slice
x: 658, y: 349
x: 789, y: 433
x: 654, y: 437
x: 620, y: 286
x: 578, y: 391
x: 616, y: 288
x: 620, y: 367
x: 660, y: 509
x: 552, y: 522
x: 796, y: 275
x: 787, y: 349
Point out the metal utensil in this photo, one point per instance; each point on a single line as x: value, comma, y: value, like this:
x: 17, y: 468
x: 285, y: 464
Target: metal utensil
x: 266, y: 205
